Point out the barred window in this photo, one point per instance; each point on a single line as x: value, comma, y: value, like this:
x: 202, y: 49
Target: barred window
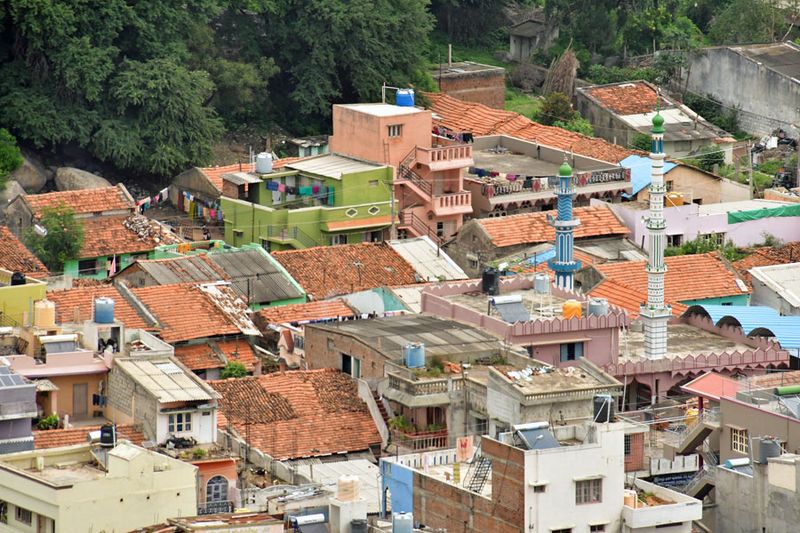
x: 589, y: 491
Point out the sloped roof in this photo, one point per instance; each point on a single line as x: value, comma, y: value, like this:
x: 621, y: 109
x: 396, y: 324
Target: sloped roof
x: 688, y: 277
x: 81, y: 300
x: 532, y: 228
x: 178, y: 269
x: 56, y: 438
x: 481, y: 120
x: 765, y: 256
x: 84, y: 201
x: 123, y: 234
x: 628, y: 98
x: 255, y: 273
x: 165, y: 380
x: 307, y: 312
x: 427, y: 259
x: 16, y: 258
x: 755, y: 321
x: 713, y: 386
x: 296, y: 414
x: 533, y: 267
x: 213, y: 354
x: 627, y: 298
x: 214, y: 174
x: 641, y: 168
x: 327, y: 271
x: 187, y: 311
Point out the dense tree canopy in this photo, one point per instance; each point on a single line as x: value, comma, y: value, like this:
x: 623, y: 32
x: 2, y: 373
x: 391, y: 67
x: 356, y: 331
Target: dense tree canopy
x: 10, y: 156
x: 62, y: 241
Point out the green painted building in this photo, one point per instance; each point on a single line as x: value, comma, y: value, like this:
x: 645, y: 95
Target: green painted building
x: 324, y: 200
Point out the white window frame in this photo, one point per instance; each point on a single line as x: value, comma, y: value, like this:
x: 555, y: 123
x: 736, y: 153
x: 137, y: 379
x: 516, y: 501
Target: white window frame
x: 589, y: 491
x: 740, y: 440
x: 21, y: 517
x: 179, y: 422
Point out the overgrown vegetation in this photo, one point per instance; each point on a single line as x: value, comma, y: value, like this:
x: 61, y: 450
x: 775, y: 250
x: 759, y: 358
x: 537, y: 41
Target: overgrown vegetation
x: 233, y: 369
x: 63, y: 239
x: 48, y: 422
x: 10, y: 156
x: 557, y: 111
x: 704, y: 245
x: 712, y: 110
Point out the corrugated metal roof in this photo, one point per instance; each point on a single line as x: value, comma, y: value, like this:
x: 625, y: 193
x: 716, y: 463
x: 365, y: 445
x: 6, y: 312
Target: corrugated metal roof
x: 254, y: 273
x: 758, y: 321
x: 179, y: 270
x: 332, y: 166
x: 165, y: 380
x: 430, y: 263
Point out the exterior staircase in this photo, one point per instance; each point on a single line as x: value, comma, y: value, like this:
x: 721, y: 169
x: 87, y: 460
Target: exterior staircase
x: 478, y: 472
x: 693, y: 436
x: 702, y: 483
x: 381, y: 407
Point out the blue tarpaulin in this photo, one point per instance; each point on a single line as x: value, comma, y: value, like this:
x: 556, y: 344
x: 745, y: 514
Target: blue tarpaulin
x: 641, y: 170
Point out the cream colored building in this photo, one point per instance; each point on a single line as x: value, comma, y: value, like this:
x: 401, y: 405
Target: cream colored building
x: 83, y: 488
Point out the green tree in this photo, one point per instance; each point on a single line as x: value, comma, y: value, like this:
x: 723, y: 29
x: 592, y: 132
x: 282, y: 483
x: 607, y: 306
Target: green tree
x: 642, y: 142
x: 63, y: 240
x: 10, y: 156
x: 749, y: 21
x: 555, y: 108
x: 234, y: 369
x: 474, y: 22
x: 710, y: 156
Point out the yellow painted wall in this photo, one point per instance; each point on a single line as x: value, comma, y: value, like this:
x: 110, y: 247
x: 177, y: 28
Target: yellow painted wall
x: 17, y: 302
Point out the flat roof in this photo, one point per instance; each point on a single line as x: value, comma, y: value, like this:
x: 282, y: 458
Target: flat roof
x: 741, y: 205
x: 428, y: 260
x: 535, y: 305
x: 462, y: 67
x: 383, y: 110
x: 165, y: 380
x: 332, y: 165
x: 783, y: 58
x: 682, y: 340
x: 509, y: 162
x: 328, y: 475
x: 554, y: 379
x: 679, y: 125
x: 782, y: 279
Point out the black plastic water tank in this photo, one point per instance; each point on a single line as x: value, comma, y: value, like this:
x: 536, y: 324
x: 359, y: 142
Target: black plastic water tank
x: 603, y: 408
x: 108, y: 436
x: 17, y: 278
x: 358, y: 525
x: 490, y: 281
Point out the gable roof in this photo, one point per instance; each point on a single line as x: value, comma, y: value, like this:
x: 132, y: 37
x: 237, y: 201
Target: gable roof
x: 532, y: 228
x: 56, y: 438
x: 254, y: 273
x: 123, y: 234
x: 481, y: 120
x: 187, y: 311
x: 689, y: 277
x: 427, y: 259
x: 80, y: 300
x: 214, y: 174
x: 627, y: 98
x: 171, y: 270
x: 641, y: 168
x: 296, y: 414
x: 327, y: 271
x: 14, y: 256
x: 765, y: 256
x: 84, y: 201
x: 213, y: 354
x: 627, y: 298
x: 165, y: 380
x: 307, y: 312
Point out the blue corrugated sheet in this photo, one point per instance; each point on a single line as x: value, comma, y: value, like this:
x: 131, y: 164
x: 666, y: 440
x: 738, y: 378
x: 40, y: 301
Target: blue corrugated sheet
x: 758, y: 320
x: 641, y: 169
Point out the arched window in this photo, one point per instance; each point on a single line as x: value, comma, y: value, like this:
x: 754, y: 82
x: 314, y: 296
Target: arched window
x: 217, y: 489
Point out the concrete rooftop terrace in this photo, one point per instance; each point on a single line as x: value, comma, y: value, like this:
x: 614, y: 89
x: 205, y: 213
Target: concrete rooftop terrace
x: 537, y: 305
x: 508, y: 162
x: 682, y: 340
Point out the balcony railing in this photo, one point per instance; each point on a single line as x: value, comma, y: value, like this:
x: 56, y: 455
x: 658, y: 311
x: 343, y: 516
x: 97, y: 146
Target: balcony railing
x: 405, y: 173
x: 291, y: 233
x: 453, y: 200
x: 459, y: 155
x: 421, y: 440
x: 425, y: 387
x: 225, y: 506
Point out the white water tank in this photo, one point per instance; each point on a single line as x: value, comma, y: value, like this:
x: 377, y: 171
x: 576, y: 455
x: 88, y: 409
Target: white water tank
x: 597, y: 307
x: 264, y: 163
x: 541, y: 282
x: 402, y: 523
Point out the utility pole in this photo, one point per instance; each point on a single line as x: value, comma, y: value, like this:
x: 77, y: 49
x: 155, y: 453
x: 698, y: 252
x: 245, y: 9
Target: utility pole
x: 750, y: 167
x: 393, y: 227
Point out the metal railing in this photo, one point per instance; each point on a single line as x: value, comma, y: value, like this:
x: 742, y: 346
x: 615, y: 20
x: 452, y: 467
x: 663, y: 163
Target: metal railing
x: 674, y: 437
x: 225, y: 506
x: 421, y: 440
x: 287, y: 233
x: 409, y: 220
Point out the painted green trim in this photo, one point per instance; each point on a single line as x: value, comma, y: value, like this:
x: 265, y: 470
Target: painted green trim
x: 734, y: 299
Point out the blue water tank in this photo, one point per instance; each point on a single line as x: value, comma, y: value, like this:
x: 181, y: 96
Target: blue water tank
x: 405, y: 97
x: 104, y: 310
x: 414, y: 355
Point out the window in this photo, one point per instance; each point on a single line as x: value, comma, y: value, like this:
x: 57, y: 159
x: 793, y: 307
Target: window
x: 589, y: 491
x: 373, y: 183
x: 565, y: 530
x: 669, y: 185
x: 672, y: 524
x: 674, y: 240
x: 597, y: 527
x: 179, y: 422
x: 395, y: 130
x: 473, y: 263
x: 739, y: 440
x: 539, y: 488
x: 217, y: 489
x: 351, y: 365
x: 23, y: 515
x: 338, y: 239
x: 440, y: 229
x: 265, y: 244
x: 571, y: 351
x: 87, y: 267
x: 628, y: 439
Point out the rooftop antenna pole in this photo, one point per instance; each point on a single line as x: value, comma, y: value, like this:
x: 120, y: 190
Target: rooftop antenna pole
x: 449, y: 55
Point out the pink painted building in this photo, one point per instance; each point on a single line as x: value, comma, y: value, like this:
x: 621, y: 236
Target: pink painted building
x: 429, y: 169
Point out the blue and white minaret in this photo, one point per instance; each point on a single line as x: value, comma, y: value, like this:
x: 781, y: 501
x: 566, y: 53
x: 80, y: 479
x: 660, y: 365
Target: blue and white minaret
x: 564, y: 264
x: 656, y: 313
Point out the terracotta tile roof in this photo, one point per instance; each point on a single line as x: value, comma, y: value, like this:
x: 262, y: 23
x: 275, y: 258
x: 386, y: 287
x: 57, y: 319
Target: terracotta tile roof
x: 239, y: 350
x: 110, y: 235
x: 319, y: 310
x: 84, y: 201
x: 186, y: 312
x: 198, y: 356
x: 214, y: 174
x: 627, y: 298
x: 689, y: 277
x: 298, y: 413
x: 625, y: 98
x: 525, y: 268
x: 327, y: 271
x: 479, y: 119
x: 54, y: 438
x: 16, y: 258
x: 766, y: 256
x: 82, y: 299
x: 532, y: 228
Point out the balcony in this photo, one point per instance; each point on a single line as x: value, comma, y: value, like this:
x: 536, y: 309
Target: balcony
x: 453, y: 203
x: 424, y: 392
x: 421, y: 440
x: 651, y: 506
x: 445, y: 157
x: 225, y: 506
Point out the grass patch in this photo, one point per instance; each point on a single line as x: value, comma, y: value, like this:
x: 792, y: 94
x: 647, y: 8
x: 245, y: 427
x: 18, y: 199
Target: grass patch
x: 522, y: 103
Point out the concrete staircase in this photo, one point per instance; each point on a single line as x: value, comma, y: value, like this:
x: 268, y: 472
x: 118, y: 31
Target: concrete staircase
x: 381, y: 407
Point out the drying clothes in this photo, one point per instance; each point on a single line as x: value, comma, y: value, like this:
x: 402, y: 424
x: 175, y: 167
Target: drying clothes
x: 272, y: 185
x: 281, y: 187
x: 305, y: 191
x: 315, y: 189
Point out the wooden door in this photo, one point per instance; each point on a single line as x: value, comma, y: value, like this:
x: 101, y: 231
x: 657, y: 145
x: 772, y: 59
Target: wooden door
x: 80, y: 399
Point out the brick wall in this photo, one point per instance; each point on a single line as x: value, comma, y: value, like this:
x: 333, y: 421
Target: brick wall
x: 635, y: 460
x: 487, y: 88
x: 443, y: 505
x: 120, y: 391
x: 324, y: 349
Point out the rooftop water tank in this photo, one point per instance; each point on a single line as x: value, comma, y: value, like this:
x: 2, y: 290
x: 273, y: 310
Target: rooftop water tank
x: 358, y: 525
x: 414, y: 355
x: 402, y: 523
x: 541, y: 282
x: 104, y: 310
x: 108, y: 436
x: 17, y: 278
x: 44, y: 314
x: 739, y: 461
x: 768, y: 447
x: 347, y: 489
x: 603, y: 408
x: 572, y: 309
x: 264, y: 163
x: 490, y: 281
x: 405, y: 97
x: 597, y: 307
